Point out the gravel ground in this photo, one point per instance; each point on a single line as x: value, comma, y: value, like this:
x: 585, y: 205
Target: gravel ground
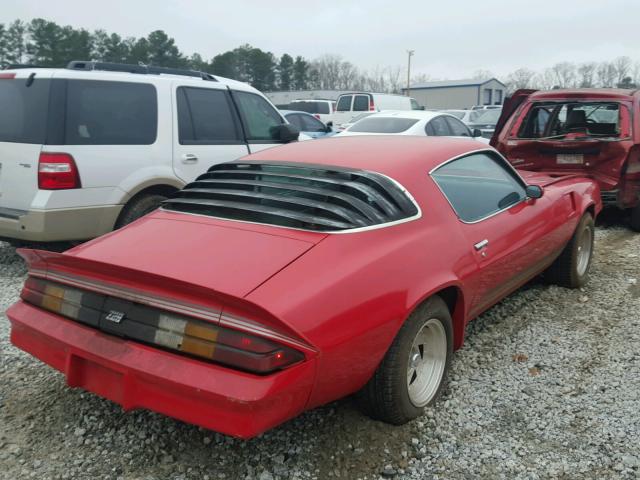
x: 547, y: 386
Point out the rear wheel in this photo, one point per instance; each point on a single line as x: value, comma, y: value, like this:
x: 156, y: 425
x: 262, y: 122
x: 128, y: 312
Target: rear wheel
x: 635, y: 218
x: 571, y: 268
x: 413, y: 371
x: 138, y: 207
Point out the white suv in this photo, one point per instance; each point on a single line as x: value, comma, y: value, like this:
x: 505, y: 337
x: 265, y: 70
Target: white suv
x: 93, y: 146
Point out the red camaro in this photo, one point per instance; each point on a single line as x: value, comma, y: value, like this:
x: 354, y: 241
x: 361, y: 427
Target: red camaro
x: 302, y: 274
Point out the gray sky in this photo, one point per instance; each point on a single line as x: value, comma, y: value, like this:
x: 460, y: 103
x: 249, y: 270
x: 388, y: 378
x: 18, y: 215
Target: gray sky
x: 451, y: 39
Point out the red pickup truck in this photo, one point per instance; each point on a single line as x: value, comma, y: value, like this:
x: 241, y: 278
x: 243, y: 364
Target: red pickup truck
x: 586, y: 131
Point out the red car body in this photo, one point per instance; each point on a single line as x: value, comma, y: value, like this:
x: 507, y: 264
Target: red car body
x: 614, y: 161
x: 338, y: 299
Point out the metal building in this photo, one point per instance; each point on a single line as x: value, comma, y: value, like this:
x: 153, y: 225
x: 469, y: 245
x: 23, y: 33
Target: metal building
x: 458, y: 93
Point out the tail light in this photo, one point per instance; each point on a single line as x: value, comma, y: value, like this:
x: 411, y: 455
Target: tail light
x: 372, y: 107
x: 168, y: 330
x: 7, y: 76
x: 57, y: 171
x: 317, y: 116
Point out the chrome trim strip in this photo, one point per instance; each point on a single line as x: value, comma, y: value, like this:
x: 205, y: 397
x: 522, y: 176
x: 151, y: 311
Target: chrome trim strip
x: 494, y: 152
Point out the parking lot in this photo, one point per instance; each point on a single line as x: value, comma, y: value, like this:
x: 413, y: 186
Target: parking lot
x: 545, y: 387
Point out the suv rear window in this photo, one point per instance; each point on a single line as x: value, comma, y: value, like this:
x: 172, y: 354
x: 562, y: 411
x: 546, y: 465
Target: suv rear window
x: 557, y: 119
x: 24, y: 110
x: 310, y: 107
x: 344, y: 103
x: 383, y: 125
x: 310, y: 197
x: 110, y: 113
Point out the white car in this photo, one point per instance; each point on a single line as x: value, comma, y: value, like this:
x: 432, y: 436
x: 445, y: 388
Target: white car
x: 419, y: 123
x: 91, y: 147
x: 466, y: 116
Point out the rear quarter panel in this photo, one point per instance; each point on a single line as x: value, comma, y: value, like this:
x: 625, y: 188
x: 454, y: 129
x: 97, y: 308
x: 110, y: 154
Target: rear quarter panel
x: 350, y: 294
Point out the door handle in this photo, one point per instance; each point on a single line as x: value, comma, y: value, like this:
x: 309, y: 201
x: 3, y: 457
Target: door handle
x: 189, y: 158
x: 481, y: 244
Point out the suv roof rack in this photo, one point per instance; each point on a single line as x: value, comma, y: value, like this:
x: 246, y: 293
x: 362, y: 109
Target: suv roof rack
x: 142, y: 69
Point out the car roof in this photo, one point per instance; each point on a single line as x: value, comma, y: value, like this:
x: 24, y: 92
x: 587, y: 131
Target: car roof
x: 619, y: 93
x: 417, y: 114
x: 115, y: 76
x: 400, y: 157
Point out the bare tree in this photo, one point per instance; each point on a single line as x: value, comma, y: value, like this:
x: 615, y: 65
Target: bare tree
x: 521, y: 78
x: 545, y: 80
x: 607, y: 74
x: 586, y: 72
x: 565, y: 74
x: 482, y: 74
x: 393, y: 79
x: 623, y: 67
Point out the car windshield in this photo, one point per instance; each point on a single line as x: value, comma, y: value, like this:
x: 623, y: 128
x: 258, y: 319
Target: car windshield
x: 488, y: 117
x: 310, y: 107
x: 558, y: 119
x: 459, y: 114
x: 383, y: 125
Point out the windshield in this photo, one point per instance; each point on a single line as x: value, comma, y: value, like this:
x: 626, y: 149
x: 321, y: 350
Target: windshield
x: 558, y: 119
x: 310, y: 107
x: 488, y: 117
x: 459, y: 114
x: 383, y: 125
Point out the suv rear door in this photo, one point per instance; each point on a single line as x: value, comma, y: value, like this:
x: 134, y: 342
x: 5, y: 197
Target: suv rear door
x: 207, y: 129
x: 24, y: 102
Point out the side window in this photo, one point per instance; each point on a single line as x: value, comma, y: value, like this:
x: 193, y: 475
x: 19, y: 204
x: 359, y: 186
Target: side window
x: 110, y: 113
x: 259, y: 117
x: 310, y: 124
x: 437, y: 127
x: 458, y: 129
x: 478, y: 186
x: 295, y: 119
x: 344, y: 103
x: 361, y: 103
x: 205, y: 117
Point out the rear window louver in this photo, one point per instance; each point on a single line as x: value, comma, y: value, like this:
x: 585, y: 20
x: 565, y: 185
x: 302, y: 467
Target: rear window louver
x: 293, y: 195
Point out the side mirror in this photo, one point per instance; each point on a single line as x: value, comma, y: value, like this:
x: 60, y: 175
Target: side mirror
x: 534, y: 191
x: 476, y: 133
x: 329, y: 127
x: 285, y: 133
x: 330, y: 123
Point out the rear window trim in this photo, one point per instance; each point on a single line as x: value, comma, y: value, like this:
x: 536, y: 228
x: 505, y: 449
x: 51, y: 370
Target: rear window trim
x: 398, y: 185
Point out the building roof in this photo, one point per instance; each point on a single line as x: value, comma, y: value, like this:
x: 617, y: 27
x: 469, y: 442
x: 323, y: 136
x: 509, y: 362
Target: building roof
x: 470, y: 82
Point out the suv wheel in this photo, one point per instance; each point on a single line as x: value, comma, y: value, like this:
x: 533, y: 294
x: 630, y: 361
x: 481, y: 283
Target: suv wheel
x: 138, y: 207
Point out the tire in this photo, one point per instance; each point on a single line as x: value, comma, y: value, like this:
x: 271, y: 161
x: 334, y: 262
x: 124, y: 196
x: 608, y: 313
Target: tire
x: 571, y: 268
x: 394, y: 394
x: 635, y: 218
x: 138, y: 207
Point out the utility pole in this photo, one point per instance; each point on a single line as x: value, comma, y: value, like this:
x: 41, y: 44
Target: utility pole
x: 409, y: 54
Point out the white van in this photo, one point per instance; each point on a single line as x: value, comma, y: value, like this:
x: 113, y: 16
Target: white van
x: 351, y: 104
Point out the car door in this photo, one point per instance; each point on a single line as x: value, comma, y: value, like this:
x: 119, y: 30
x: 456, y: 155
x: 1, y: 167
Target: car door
x: 510, y: 105
x: 207, y: 129
x: 313, y: 127
x: 511, y: 236
x: 259, y: 120
x: 343, y: 111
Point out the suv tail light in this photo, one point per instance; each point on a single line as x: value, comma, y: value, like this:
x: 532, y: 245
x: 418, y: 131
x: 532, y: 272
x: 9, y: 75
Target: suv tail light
x: 57, y: 171
x: 372, y: 107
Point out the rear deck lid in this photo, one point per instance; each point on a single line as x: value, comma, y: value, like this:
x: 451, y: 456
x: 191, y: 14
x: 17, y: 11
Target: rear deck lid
x: 24, y: 102
x: 227, y: 257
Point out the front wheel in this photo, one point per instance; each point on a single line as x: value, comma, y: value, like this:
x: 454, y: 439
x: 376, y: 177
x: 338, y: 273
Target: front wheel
x: 571, y: 268
x: 413, y: 371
